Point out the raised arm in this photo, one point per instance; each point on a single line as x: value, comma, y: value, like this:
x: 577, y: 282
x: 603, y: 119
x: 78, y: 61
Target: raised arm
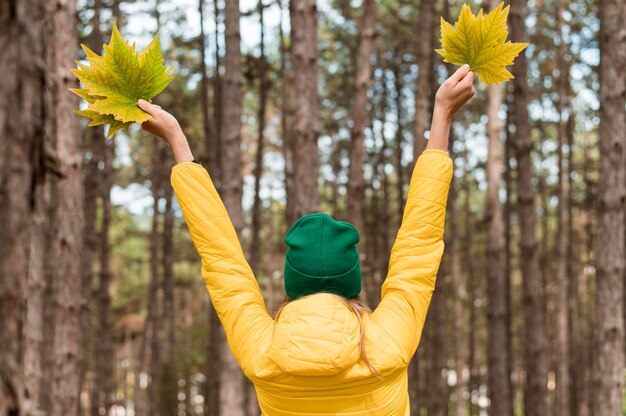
x: 417, y: 251
x: 232, y: 286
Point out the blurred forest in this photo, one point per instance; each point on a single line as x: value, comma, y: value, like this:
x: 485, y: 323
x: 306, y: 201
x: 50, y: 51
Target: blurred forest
x: 295, y: 106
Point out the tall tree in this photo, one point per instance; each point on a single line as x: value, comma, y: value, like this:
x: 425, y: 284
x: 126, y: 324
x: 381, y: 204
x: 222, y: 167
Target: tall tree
x: 608, y: 336
x: 168, y: 380
x: 230, y: 397
x: 561, y: 397
x: 21, y: 128
x: 356, y: 181
x: 306, y: 162
x: 458, y: 291
x: 422, y: 93
x: 536, y: 401
x: 498, y: 352
x: 61, y: 24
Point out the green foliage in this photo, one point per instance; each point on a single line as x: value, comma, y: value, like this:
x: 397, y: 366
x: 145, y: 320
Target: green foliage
x: 480, y: 42
x: 114, y: 82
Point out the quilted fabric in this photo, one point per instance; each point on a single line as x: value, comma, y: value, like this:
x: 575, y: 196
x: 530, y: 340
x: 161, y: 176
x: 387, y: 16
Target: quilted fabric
x: 308, y: 362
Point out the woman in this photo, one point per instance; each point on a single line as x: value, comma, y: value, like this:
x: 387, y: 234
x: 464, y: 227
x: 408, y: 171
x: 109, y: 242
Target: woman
x: 324, y: 354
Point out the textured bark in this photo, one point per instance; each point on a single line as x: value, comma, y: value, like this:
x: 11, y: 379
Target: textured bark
x: 91, y: 184
x: 151, y: 334
x: 218, y: 100
x: 562, y: 391
x: 286, y: 121
x: 22, y: 120
x: 497, y: 348
x: 458, y: 292
x: 474, y: 379
x: 422, y: 88
x: 230, y: 395
x: 356, y: 181
x: 102, y: 398
x: 168, y: 380
x: 608, y: 336
x: 305, y: 192
x: 68, y: 231
x: 398, y: 139
x: 535, y: 399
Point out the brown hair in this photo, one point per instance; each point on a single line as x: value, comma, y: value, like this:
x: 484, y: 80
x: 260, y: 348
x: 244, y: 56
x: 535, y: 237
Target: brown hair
x: 357, y: 306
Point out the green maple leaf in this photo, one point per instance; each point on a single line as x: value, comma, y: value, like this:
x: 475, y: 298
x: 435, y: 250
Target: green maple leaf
x: 114, y: 82
x: 480, y: 42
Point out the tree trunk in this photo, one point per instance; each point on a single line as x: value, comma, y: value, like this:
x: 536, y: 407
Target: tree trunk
x: 305, y: 192
x: 103, y: 385
x: 422, y: 93
x: 458, y: 292
x: 218, y: 101
x: 69, y: 220
x: 497, y: 348
x: 231, y: 397
x: 608, y: 336
x: 474, y: 378
x: 168, y: 380
x: 356, y: 181
x: 561, y: 396
x: 398, y: 139
x: 21, y: 135
x: 533, y: 291
x: 91, y: 184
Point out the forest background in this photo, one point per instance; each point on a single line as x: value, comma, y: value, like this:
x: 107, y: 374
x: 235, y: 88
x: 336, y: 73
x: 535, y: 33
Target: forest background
x: 292, y: 107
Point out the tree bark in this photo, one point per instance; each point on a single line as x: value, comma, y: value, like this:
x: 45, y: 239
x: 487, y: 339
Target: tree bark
x: 168, y: 380
x: 68, y: 229
x: 535, y: 399
x: 422, y: 88
x: 561, y: 396
x: 103, y: 385
x: 21, y: 135
x: 497, y: 348
x: 230, y: 394
x: 458, y: 292
x: 305, y: 192
x: 356, y: 181
x: 608, y: 366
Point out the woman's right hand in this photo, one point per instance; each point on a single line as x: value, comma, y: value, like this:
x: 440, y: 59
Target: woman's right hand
x: 455, y: 91
x: 165, y: 126
x: 162, y: 123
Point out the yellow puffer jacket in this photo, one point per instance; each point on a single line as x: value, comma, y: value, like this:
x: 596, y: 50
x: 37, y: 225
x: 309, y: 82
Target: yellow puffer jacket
x: 308, y: 363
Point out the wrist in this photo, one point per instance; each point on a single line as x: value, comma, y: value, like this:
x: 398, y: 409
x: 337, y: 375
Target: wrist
x: 441, y: 115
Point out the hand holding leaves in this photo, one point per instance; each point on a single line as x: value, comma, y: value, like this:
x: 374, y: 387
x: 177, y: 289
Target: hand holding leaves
x: 114, y: 82
x: 479, y: 41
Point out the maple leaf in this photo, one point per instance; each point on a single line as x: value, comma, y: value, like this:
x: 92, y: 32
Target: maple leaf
x: 114, y: 82
x: 480, y: 42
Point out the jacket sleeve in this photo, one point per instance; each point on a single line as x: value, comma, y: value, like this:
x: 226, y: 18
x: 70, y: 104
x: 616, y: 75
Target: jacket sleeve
x: 233, y: 289
x: 416, y: 253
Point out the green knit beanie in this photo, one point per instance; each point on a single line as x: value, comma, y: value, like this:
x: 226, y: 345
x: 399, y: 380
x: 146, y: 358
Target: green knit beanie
x: 322, y: 257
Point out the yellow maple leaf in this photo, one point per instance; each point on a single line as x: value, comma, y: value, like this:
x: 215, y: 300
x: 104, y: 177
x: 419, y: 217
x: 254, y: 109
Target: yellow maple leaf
x: 480, y: 42
x: 114, y: 82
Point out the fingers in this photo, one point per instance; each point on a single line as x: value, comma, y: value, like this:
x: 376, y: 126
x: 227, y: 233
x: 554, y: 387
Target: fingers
x: 459, y: 74
x: 467, y: 82
x: 149, y: 108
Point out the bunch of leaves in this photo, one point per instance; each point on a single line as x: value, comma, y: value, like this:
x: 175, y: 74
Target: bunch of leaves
x: 480, y: 42
x: 114, y: 82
